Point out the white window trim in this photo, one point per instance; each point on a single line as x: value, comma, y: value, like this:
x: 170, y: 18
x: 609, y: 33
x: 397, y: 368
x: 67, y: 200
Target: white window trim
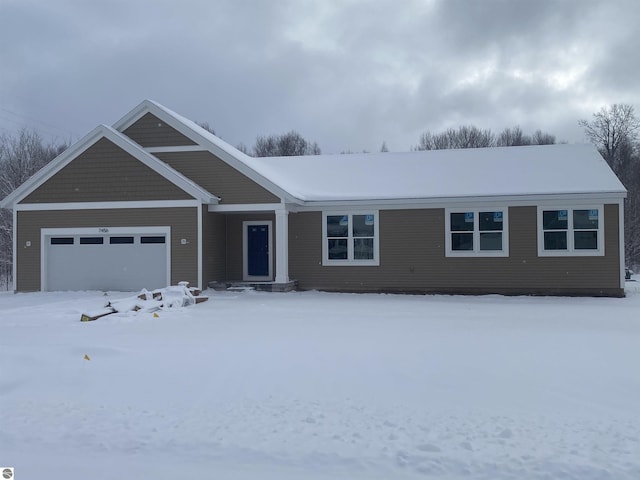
x: 571, y: 251
x: 350, y: 261
x: 476, y: 252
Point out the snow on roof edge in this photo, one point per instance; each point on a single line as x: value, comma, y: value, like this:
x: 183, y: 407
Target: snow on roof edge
x: 301, y: 187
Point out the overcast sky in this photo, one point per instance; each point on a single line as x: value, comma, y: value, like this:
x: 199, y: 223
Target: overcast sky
x: 348, y: 74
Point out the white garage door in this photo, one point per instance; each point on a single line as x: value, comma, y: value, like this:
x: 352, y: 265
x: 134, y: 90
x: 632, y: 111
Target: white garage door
x: 117, y: 260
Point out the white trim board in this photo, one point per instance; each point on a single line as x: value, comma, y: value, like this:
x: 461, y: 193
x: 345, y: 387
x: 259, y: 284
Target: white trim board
x: 200, y: 255
x: 14, y: 269
x: 106, y: 230
x: 177, y: 149
x: 621, y: 247
x: 245, y: 207
x: 455, y: 202
x: 25, y: 207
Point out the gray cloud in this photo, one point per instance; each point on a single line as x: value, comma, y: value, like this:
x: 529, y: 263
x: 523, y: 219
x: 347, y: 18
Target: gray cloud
x: 346, y: 73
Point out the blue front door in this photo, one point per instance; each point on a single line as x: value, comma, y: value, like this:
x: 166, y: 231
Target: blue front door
x: 258, y: 250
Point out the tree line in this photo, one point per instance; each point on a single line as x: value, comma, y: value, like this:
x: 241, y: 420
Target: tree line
x: 466, y: 136
x: 470, y: 136
x: 614, y: 130
x: 21, y: 155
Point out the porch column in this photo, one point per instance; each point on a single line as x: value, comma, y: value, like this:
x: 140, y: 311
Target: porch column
x: 282, y: 246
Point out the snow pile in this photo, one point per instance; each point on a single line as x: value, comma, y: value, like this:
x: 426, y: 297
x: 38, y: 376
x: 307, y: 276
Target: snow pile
x: 172, y: 297
x: 316, y: 385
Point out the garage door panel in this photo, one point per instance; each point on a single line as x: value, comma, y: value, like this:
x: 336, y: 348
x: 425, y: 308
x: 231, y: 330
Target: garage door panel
x: 109, y: 262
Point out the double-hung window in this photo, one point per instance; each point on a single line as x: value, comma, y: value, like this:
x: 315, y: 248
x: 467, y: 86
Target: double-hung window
x: 477, y: 232
x: 350, y: 238
x: 576, y: 231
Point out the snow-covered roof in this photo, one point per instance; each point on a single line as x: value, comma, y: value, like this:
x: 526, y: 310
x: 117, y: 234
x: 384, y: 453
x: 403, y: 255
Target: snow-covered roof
x: 478, y: 172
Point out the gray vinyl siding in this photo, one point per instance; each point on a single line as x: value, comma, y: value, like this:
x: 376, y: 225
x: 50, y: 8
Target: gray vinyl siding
x: 214, y: 247
x: 412, y: 259
x: 150, y: 131
x: 183, y: 223
x: 103, y: 173
x: 217, y: 177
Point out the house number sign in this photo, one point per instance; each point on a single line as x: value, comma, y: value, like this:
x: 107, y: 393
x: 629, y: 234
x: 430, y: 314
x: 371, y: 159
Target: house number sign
x: 103, y: 230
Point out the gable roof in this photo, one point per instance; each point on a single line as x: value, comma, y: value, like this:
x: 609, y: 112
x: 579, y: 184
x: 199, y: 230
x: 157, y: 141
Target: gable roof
x: 477, y: 172
x: 221, y: 149
x: 132, y: 148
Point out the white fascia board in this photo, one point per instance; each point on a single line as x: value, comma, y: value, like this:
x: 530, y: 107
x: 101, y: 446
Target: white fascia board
x: 444, y: 202
x: 133, y: 115
x: 30, y: 207
x: 176, y: 149
x: 248, y: 207
x: 229, y: 154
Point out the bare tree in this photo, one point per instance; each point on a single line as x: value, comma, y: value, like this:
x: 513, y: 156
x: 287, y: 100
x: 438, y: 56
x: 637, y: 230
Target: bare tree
x: 286, y: 145
x: 513, y: 137
x: 614, y: 131
x: 610, y: 127
x: 473, y: 137
x: 351, y: 152
x: 207, y: 127
x: 243, y: 148
x: 6, y: 248
x: 21, y: 156
x: 542, y: 138
x: 434, y: 141
x: 467, y: 136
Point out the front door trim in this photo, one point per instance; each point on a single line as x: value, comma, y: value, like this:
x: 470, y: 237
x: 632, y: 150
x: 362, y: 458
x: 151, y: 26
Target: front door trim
x: 245, y: 257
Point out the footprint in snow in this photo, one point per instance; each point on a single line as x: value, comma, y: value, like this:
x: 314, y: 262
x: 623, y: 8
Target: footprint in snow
x: 467, y: 446
x: 429, y: 447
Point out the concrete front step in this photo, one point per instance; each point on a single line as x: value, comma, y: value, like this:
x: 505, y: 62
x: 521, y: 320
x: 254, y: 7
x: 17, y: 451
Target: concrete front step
x: 260, y: 286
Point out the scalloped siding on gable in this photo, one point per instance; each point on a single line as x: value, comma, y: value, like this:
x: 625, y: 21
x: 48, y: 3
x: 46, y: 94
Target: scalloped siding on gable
x: 104, y: 173
x: 217, y: 177
x: 150, y: 131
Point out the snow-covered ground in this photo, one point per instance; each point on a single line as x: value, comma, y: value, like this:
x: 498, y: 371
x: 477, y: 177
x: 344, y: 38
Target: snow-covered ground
x: 315, y: 385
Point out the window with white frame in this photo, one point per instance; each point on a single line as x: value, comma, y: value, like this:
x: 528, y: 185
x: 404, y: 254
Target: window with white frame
x: 477, y: 232
x: 576, y: 231
x: 350, y: 238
